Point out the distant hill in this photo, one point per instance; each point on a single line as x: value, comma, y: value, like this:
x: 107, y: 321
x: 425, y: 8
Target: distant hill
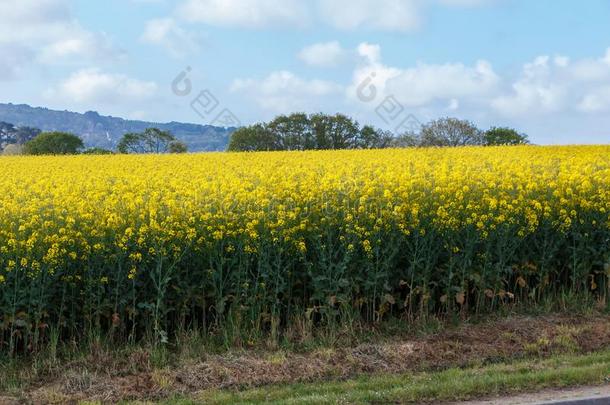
x: 105, y: 132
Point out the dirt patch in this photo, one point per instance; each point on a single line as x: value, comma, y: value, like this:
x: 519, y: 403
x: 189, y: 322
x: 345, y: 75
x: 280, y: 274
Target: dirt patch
x: 470, y: 344
x: 601, y: 393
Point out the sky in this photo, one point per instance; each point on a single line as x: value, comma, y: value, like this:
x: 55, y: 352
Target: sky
x: 540, y: 66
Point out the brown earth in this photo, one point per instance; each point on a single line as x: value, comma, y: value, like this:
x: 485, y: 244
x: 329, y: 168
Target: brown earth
x: 104, y: 378
x: 547, y: 396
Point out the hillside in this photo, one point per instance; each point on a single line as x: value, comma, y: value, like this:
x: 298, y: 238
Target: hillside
x: 104, y: 131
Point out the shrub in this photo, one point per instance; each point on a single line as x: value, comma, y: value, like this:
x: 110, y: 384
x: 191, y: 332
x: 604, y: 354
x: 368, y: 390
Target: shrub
x: 53, y: 143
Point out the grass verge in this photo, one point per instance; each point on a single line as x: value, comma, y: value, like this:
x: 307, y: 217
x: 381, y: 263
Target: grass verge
x: 106, y: 372
x: 452, y: 384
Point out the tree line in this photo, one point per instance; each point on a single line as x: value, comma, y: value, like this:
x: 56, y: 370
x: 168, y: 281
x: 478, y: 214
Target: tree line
x: 452, y: 132
x: 294, y: 132
x: 304, y: 132
x: 319, y: 131
x: 152, y: 140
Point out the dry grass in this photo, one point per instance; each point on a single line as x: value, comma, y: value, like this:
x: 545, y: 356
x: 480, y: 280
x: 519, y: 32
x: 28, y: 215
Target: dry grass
x: 108, y: 377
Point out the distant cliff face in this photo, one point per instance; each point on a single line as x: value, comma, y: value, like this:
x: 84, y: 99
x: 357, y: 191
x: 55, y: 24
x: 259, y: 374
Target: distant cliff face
x: 105, y: 132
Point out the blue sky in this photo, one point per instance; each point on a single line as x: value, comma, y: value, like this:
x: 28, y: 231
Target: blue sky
x: 541, y: 66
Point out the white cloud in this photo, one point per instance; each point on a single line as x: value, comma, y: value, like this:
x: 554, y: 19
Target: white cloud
x: 95, y: 86
x: 283, y: 91
x: 383, y: 15
x: 165, y: 32
x: 606, y: 58
x: 548, y: 85
x: 421, y: 87
x: 370, y: 52
x: 370, y: 79
x: 327, y: 54
x: 387, y: 15
x: 466, y: 3
x: 12, y: 61
x: 245, y: 13
x: 561, y: 60
x: 591, y: 69
x: 598, y: 100
x: 421, y: 84
x: 78, y: 46
x: 426, y: 83
x: 45, y: 31
x: 535, y: 90
x: 22, y: 20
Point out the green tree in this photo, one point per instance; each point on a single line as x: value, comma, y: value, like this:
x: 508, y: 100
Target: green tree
x: 97, y: 151
x: 373, y: 138
x: 256, y: 137
x: 177, y: 147
x: 406, y: 140
x: 294, y: 131
x: 53, y: 143
x: 450, y: 132
x: 300, y: 131
x: 335, y: 131
x: 152, y: 140
x: 504, y: 136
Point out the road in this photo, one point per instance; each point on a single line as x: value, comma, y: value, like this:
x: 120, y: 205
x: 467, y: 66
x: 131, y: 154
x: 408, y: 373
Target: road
x: 599, y: 395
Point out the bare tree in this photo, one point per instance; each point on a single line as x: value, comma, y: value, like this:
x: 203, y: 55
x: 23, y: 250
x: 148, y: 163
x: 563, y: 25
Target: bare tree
x: 450, y: 132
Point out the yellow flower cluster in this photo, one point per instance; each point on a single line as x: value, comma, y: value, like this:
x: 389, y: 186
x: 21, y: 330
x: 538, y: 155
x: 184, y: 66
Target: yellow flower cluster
x: 113, y: 218
x: 69, y: 206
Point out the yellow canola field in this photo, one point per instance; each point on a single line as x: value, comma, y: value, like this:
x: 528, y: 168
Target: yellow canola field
x: 208, y: 228
x: 72, y: 201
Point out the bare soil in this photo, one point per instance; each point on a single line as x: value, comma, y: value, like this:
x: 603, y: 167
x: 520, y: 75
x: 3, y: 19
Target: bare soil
x: 547, y: 397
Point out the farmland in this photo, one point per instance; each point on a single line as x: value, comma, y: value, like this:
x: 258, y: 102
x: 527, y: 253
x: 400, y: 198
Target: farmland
x: 260, y: 245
